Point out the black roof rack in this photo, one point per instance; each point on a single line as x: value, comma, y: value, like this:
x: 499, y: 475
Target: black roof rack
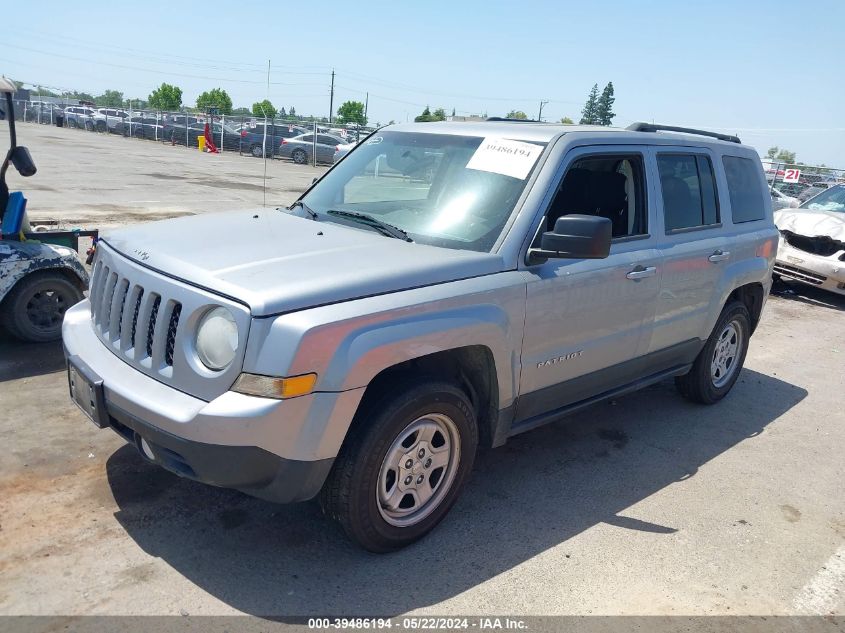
x: 656, y: 127
x: 502, y: 118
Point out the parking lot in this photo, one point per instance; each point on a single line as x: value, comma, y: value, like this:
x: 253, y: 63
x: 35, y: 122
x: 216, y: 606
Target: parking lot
x: 642, y: 505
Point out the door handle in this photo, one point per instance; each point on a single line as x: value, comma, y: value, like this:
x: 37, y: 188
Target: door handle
x: 641, y: 273
x: 719, y: 256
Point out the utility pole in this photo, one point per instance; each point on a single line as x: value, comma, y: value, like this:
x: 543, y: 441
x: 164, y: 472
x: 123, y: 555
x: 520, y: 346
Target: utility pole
x: 366, y: 104
x: 331, y: 99
x: 540, y: 115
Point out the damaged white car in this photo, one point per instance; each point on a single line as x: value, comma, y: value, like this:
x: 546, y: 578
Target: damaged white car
x: 812, y: 241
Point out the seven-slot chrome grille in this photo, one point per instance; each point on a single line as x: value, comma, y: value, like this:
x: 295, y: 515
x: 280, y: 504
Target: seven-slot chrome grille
x: 149, y: 320
x: 125, y: 316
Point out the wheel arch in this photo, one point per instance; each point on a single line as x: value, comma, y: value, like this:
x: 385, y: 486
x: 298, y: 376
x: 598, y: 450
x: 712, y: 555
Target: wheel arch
x: 472, y: 368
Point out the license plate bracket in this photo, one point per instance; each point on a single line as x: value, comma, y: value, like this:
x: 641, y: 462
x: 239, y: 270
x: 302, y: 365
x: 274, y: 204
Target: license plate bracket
x: 86, y: 391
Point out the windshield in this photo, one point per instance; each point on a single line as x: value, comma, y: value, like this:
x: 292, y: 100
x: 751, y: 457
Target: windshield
x: 832, y: 199
x: 444, y: 190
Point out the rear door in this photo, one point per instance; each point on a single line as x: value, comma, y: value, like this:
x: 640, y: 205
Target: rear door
x: 692, y: 243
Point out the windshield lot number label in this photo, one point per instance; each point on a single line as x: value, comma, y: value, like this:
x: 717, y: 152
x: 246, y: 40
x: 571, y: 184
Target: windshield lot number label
x: 506, y: 157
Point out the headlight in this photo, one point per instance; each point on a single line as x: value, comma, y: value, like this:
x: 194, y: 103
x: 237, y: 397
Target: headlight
x: 217, y: 338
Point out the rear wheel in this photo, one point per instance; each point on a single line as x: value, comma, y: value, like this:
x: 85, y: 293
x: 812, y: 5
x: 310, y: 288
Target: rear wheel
x: 403, y: 465
x: 72, y: 124
x: 138, y: 132
x: 89, y: 125
x: 299, y: 156
x: 256, y: 151
x: 101, y: 126
x: 717, y: 366
x: 34, y: 309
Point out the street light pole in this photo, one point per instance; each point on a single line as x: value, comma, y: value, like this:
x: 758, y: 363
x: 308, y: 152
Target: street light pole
x: 540, y: 115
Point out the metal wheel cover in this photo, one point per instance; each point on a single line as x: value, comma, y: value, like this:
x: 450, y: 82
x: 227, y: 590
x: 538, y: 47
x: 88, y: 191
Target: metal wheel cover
x: 726, y: 354
x: 418, y: 470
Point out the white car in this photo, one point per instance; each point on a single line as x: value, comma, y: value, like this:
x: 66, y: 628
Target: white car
x: 812, y: 241
x: 782, y: 201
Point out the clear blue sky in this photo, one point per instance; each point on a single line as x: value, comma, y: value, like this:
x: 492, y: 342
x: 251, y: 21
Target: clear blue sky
x: 771, y: 71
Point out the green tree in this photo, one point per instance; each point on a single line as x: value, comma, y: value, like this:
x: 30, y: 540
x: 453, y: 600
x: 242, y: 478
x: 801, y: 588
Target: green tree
x: 166, y: 97
x: 264, y: 108
x: 282, y: 112
x: 781, y: 155
x: 439, y: 115
x: 516, y: 114
x: 351, y: 112
x: 78, y: 96
x: 566, y: 121
x: 453, y: 111
x: 40, y: 91
x: 215, y: 98
x: 604, y: 106
x: 110, y: 99
x: 292, y: 112
x: 424, y: 117
x: 589, y: 113
x: 242, y: 110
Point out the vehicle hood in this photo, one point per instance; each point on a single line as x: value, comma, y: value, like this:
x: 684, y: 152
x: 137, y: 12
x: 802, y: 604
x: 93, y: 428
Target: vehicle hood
x: 275, y: 262
x: 812, y: 223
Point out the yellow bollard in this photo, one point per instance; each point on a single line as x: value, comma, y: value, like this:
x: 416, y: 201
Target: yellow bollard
x: 201, y: 143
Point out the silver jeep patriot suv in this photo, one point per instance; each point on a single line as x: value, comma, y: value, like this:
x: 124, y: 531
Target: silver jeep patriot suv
x: 443, y: 287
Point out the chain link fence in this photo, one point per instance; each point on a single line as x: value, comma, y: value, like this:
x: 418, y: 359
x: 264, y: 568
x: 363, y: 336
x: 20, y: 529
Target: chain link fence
x: 298, y: 139
x: 793, y: 184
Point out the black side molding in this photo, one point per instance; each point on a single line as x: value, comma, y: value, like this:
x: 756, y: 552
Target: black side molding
x: 657, y: 127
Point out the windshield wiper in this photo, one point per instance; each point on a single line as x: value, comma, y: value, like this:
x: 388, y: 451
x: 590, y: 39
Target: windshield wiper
x: 304, y: 207
x: 383, y: 227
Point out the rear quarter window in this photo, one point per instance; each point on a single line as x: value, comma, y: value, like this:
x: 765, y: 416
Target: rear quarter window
x: 746, y: 197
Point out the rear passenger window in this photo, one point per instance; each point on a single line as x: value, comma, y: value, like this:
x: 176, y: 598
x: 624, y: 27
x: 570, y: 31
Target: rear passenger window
x: 689, y: 191
x: 743, y: 177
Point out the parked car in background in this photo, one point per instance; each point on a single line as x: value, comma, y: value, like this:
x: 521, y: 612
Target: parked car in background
x: 811, y: 192
x: 342, y: 150
x: 252, y: 138
x: 109, y: 119
x: 223, y: 136
x: 812, y: 242
x: 300, y: 148
x: 791, y: 189
x: 145, y: 127
x: 79, y: 117
x: 782, y: 201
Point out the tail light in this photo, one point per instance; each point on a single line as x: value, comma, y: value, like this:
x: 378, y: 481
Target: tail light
x: 284, y: 141
x: 243, y: 133
x: 337, y: 148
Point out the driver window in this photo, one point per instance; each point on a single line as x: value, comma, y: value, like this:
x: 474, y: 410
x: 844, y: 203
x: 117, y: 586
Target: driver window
x: 611, y: 186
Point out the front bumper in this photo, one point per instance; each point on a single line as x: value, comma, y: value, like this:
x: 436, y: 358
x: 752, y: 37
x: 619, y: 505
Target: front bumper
x: 280, y: 450
x: 827, y: 273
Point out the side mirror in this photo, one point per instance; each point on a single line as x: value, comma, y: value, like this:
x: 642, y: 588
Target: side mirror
x: 22, y: 160
x: 575, y: 237
x: 313, y: 180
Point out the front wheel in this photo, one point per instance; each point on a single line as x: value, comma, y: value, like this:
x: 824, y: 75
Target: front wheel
x: 101, y: 126
x: 72, y: 124
x: 717, y: 366
x: 256, y: 151
x: 89, y: 126
x: 404, y: 464
x: 34, y: 309
x: 299, y: 157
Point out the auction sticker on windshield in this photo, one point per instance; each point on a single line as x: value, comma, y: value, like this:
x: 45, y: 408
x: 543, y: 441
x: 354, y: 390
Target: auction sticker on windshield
x: 506, y: 157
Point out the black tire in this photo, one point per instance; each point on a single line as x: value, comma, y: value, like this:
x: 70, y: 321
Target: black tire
x: 256, y: 150
x: 299, y: 156
x: 138, y: 132
x: 700, y: 384
x: 100, y: 126
x: 33, y: 310
x: 72, y: 124
x: 89, y: 125
x: 350, y: 494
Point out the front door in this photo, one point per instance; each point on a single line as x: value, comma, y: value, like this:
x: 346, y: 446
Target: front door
x: 585, y: 319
